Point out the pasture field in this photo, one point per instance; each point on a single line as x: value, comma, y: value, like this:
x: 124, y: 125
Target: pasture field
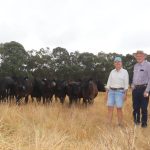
x: 57, y: 127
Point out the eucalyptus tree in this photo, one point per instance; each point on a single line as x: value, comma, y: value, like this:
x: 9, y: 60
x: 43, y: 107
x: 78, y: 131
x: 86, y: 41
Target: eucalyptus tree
x: 13, y: 59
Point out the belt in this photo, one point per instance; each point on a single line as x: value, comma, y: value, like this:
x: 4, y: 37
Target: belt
x: 140, y: 86
x: 116, y: 88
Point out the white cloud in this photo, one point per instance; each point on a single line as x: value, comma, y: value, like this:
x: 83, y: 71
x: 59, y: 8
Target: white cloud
x: 84, y: 25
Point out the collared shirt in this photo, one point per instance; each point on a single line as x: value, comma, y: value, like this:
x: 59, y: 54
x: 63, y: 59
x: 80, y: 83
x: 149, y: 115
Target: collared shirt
x: 141, y: 74
x: 118, y: 79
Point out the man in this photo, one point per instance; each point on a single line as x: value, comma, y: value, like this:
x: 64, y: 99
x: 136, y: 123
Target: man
x: 140, y: 88
x: 116, y: 93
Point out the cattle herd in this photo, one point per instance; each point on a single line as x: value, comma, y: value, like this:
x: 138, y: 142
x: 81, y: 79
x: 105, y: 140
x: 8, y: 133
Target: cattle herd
x: 43, y: 90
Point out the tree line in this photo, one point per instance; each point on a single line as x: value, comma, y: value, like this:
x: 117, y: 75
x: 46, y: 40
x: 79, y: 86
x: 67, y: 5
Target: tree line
x: 59, y: 63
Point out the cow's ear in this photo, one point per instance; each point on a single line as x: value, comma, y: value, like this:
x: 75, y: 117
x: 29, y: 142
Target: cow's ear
x: 44, y: 79
x: 26, y: 78
x: 53, y: 83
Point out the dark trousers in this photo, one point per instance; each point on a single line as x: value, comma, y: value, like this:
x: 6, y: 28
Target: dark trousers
x: 140, y: 104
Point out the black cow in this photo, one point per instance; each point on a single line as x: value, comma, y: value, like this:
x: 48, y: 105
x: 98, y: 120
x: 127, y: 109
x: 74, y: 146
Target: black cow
x: 74, y: 92
x: 3, y: 85
x: 7, y: 86
x: 43, y: 88
x: 89, y: 91
x: 23, y: 88
x: 100, y: 86
x: 61, y: 90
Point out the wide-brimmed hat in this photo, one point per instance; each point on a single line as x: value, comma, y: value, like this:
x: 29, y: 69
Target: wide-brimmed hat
x: 139, y: 52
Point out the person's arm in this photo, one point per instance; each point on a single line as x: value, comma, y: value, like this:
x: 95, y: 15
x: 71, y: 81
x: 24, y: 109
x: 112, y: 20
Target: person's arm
x: 126, y: 85
x: 146, y: 93
x: 108, y: 85
x: 126, y: 81
x: 133, y: 80
x: 108, y: 82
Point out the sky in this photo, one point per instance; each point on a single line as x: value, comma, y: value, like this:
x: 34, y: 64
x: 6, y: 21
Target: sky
x: 121, y: 26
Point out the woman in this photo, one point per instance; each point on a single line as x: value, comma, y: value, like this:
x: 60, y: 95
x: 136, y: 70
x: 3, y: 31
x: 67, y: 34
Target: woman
x: 116, y: 93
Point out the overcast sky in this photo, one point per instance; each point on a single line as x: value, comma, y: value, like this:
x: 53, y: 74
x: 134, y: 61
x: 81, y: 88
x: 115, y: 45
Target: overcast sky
x: 121, y: 26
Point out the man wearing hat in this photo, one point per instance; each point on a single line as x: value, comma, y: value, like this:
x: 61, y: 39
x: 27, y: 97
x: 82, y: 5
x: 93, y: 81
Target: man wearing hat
x: 116, y: 92
x: 140, y: 88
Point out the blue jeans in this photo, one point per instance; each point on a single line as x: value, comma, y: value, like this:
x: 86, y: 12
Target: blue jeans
x: 115, y: 98
x: 140, y: 104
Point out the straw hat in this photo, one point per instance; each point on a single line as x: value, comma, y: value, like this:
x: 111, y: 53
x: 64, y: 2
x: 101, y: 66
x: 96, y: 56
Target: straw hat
x: 139, y: 52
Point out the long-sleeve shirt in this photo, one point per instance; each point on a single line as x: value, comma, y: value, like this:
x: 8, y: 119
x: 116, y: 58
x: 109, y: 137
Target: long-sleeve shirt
x: 141, y: 74
x: 118, y: 79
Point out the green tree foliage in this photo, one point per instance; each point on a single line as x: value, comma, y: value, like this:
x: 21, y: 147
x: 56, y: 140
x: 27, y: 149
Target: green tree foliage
x: 40, y: 63
x: 13, y: 59
x: 75, y: 67
x: 61, y: 60
x: 58, y: 63
x: 128, y: 63
x: 87, y: 62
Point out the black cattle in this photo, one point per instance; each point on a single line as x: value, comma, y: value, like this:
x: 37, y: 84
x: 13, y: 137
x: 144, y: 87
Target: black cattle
x: 37, y: 92
x: 100, y: 86
x: 43, y: 89
x: 2, y: 88
x: 23, y: 88
x: 7, y: 86
x: 74, y: 92
x: 61, y: 90
x: 89, y: 91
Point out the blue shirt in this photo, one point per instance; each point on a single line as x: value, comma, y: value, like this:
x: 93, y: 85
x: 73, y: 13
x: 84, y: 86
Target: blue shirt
x: 141, y: 74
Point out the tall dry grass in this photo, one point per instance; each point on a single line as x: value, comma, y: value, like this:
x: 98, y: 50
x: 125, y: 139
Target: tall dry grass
x: 56, y: 127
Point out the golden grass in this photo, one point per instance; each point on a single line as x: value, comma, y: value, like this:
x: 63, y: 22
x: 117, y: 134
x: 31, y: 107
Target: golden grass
x: 56, y: 127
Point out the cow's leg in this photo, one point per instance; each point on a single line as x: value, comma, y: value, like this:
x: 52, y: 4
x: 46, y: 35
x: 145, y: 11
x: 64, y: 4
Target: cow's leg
x: 90, y: 101
x: 43, y: 100
x: 70, y: 101
x: 85, y: 102
x: 76, y: 100
x: 7, y: 97
x: 26, y: 99
x: 4, y: 96
x: 10, y: 98
x: 47, y: 100
x: 32, y: 99
x: 56, y: 99
x: 79, y: 100
x: 50, y: 98
x: 62, y: 100
x: 38, y: 99
x: 17, y: 100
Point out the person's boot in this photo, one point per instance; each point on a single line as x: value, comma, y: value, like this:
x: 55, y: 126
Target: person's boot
x: 144, y: 125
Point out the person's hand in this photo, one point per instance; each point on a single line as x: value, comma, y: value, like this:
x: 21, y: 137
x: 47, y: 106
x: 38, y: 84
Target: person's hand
x: 146, y: 94
x: 132, y: 87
